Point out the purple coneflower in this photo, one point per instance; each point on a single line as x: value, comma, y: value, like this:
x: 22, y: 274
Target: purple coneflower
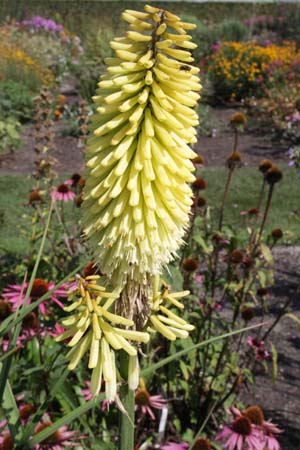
x: 239, y: 432
x: 13, y: 293
x: 146, y: 402
x: 59, y: 440
x: 62, y: 192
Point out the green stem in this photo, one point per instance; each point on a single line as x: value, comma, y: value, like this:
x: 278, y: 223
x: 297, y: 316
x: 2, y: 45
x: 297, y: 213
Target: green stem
x: 126, y: 421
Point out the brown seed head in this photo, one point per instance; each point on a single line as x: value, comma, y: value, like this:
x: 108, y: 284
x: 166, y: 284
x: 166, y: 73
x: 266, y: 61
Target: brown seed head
x: 34, y: 196
x: 201, y: 202
x: 255, y: 414
x: 234, y: 159
x: 190, y: 264
x: 198, y: 160
x: 26, y: 410
x: 7, y: 442
x: 81, y: 183
x: 247, y: 262
x: 91, y: 269
x: 242, y: 425
x: 5, y: 309
x: 261, y: 292
x: 265, y: 165
x: 200, y: 184
x: 142, y: 397
x: 39, y: 288
x: 30, y: 322
x: 273, y: 175
x: 236, y: 256
x: 238, y: 118
x: 202, y: 444
x: 247, y: 313
x: 253, y: 211
x: 277, y: 233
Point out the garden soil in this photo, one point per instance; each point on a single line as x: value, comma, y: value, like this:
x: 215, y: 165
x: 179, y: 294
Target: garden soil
x: 281, y: 400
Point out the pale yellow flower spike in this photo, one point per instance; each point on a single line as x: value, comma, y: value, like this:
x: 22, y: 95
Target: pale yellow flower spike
x: 137, y: 199
x: 91, y: 329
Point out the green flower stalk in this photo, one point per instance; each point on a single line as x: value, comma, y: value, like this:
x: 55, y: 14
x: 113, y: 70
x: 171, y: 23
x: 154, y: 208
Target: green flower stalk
x: 137, y: 198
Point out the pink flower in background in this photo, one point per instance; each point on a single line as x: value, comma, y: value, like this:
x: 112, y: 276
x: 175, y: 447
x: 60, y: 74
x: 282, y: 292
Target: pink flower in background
x: 175, y: 446
x: 40, y: 287
x: 63, y: 193
x: 145, y: 402
x: 88, y: 396
x: 59, y: 440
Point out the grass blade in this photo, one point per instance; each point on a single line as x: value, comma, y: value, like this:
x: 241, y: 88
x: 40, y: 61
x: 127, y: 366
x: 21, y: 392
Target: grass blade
x: 177, y: 355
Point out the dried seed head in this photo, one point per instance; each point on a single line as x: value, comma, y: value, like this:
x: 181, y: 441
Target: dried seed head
x: 234, y: 159
x: 26, y: 410
x: 265, y: 165
x: 75, y: 178
x: 30, y: 322
x: 273, y: 175
x: 199, y: 160
x: 247, y: 313
x: 242, y: 425
x: 255, y: 414
x: 277, y: 233
x: 7, y: 442
x: 238, y: 118
x: 34, y: 197
x: 200, y: 184
x: 202, y: 444
x: 253, y: 211
x: 236, y: 256
x: 261, y: 292
x: 5, y: 309
x: 201, y: 202
x: 190, y: 264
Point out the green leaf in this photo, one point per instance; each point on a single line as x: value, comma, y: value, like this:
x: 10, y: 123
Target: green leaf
x: 267, y: 254
x: 11, y: 411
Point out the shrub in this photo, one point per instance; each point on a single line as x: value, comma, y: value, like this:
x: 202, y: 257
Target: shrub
x: 15, y: 99
x: 239, y: 70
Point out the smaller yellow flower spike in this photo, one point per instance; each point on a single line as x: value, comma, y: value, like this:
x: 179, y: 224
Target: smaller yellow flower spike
x: 91, y: 327
x: 162, y: 319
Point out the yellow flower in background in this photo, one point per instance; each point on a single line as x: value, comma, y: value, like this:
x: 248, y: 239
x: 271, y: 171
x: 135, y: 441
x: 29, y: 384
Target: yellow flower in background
x: 137, y: 198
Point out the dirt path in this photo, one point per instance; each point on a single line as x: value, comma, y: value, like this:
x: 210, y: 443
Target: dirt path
x: 215, y: 150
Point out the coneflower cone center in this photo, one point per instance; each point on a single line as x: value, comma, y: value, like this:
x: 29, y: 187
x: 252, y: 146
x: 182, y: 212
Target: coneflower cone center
x: 63, y: 188
x: 39, y: 288
x: 202, y: 444
x: 142, y: 397
x: 255, y: 414
x: 137, y: 198
x: 242, y: 425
